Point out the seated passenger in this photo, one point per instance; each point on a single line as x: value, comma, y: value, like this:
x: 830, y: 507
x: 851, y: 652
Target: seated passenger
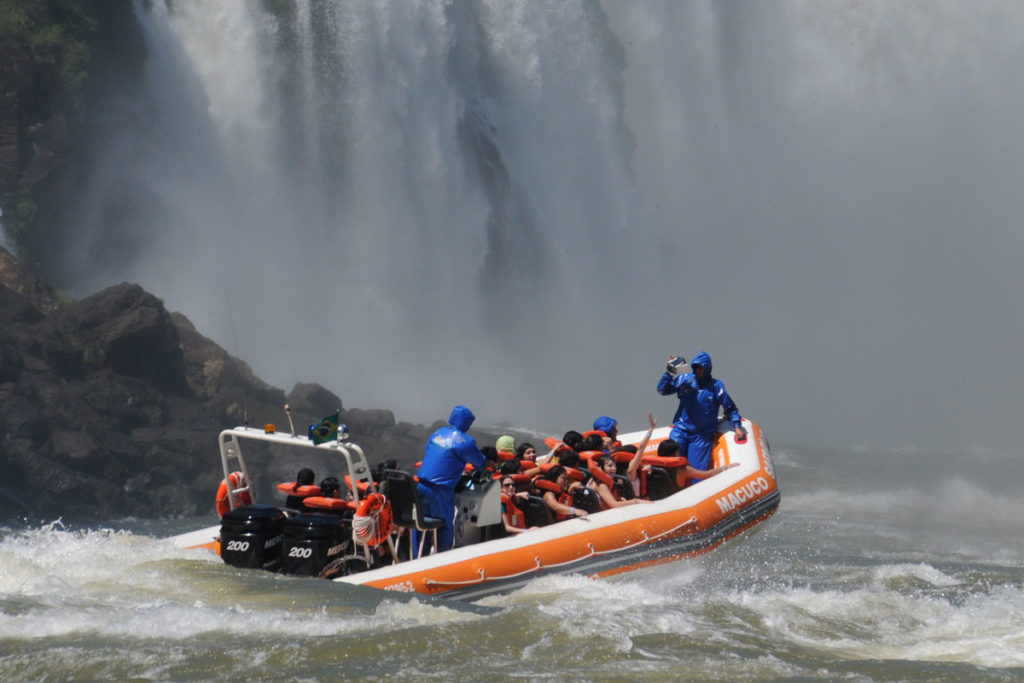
x: 594, y: 442
x: 569, y: 441
x: 512, y: 516
x: 329, y: 500
x: 572, y: 438
x: 554, y: 484
x: 526, y: 451
x: 306, y: 477
x: 670, y: 449
x: 509, y: 467
x: 610, y: 427
x: 602, y: 471
x: 633, y: 471
x: 554, y: 455
x: 330, y: 487
x: 505, y: 446
x: 572, y: 459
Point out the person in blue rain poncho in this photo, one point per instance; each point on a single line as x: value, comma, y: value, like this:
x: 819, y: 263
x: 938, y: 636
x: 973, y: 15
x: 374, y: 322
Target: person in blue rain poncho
x: 696, y: 419
x: 444, y: 460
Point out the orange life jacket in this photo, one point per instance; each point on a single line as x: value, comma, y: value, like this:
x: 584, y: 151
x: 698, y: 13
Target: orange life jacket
x: 516, y: 517
x: 561, y: 495
x: 602, y: 477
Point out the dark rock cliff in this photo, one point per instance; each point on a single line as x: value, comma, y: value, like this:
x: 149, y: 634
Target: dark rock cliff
x: 111, y: 406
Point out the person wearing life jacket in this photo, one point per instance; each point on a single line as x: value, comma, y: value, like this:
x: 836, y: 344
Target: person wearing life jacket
x: 506, y: 447
x: 306, y: 477
x: 330, y: 487
x: 504, y: 454
x: 445, y: 457
x: 512, y: 516
x: 553, y: 485
x: 670, y: 449
x: 610, y: 427
x: 696, y: 419
x: 526, y: 451
x: 634, y: 468
x: 602, y: 472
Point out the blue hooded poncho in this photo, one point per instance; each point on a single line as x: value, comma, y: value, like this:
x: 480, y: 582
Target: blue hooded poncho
x: 698, y: 401
x: 449, y: 449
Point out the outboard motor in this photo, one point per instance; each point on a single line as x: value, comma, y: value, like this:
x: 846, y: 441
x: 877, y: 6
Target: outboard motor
x: 311, y: 541
x: 250, y: 537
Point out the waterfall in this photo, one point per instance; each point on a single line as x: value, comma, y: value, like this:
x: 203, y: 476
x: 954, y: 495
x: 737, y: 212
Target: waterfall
x: 525, y: 206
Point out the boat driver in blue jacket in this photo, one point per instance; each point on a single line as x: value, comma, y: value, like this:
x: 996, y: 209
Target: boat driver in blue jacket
x: 444, y: 461
x: 696, y: 419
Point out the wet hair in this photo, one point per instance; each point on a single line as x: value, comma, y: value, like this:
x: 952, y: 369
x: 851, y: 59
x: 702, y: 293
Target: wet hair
x: 569, y: 459
x: 508, y: 467
x: 594, y: 442
x: 571, y: 438
x: 601, y: 460
x: 668, y: 448
x: 630, y: 448
x: 553, y: 473
x: 305, y: 477
x: 330, y: 487
x: 489, y: 452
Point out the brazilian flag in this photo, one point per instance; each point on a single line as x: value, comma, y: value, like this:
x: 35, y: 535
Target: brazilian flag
x: 325, y: 430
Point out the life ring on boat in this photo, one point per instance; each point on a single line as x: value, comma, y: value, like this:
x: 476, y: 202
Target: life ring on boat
x: 373, y: 520
x: 237, y: 481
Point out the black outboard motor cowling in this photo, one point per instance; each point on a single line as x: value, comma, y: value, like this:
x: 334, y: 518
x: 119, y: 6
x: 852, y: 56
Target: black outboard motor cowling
x: 310, y: 542
x: 251, y: 536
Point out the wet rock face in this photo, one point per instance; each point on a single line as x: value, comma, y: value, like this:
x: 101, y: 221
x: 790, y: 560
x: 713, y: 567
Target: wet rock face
x: 111, y: 406
x: 128, y: 331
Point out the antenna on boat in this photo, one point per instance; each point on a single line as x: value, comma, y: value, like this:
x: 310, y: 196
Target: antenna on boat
x: 288, y: 412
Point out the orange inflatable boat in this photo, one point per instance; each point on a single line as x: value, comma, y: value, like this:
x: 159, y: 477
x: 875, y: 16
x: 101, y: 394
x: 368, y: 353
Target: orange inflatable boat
x: 348, y: 540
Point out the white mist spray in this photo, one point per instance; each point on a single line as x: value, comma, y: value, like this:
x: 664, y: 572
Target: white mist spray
x: 526, y: 206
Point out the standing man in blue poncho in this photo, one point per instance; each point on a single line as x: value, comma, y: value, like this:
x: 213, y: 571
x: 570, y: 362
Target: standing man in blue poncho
x: 444, y: 460
x: 696, y: 419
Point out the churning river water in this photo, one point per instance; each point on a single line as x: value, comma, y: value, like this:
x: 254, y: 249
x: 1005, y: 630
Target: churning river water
x: 877, y: 567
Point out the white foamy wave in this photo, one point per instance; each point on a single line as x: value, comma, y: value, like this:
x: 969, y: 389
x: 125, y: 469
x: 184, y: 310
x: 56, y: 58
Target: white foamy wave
x: 53, y: 560
x: 113, y: 583
x: 982, y: 629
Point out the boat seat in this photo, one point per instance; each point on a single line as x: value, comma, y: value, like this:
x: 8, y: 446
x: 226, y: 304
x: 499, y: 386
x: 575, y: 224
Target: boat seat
x: 400, y: 490
x: 586, y: 499
x: 536, y: 512
x: 624, y: 486
x: 660, y: 483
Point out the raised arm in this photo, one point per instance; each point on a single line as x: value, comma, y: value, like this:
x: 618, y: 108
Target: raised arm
x: 634, y: 464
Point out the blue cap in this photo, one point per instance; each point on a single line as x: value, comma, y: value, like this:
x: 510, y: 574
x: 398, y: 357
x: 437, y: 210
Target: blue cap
x: 605, y: 424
